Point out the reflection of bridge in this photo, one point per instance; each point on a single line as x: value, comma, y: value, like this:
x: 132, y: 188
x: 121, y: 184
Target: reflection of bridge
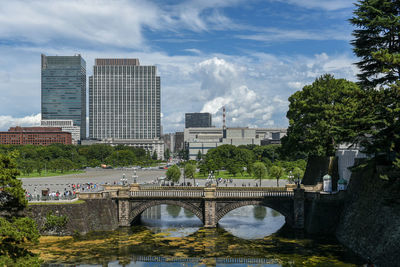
x: 209, y: 204
x: 199, y: 260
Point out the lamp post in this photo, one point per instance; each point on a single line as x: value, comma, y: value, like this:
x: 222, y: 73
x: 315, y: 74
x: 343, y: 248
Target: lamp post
x: 291, y: 180
x: 134, y: 176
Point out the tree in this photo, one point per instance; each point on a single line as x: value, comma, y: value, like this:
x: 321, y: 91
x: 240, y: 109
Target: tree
x: 15, y: 231
x: 322, y: 116
x: 199, y: 156
x: 190, y: 171
x: 167, y: 154
x: 377, y: 41
x: 173, y: 173
x: 259, y: 170
x: 276, y: 172
x: 297, y: 173
x: 154, y: 156
x: 234, y: 167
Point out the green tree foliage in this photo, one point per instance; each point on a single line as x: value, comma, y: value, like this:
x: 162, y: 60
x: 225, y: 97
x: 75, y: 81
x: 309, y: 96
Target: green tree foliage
x: 199, y: 156
x: 297, y: 173
x: 173, y: 210
x: 154, y: 156
x: 55, y: 223
x: 167, y: 154
x: 377, y: 41
x: 259, y: 170
x: 322, y: 116
x: 189, y: 170
x: 276, y: 172
x: 173, y: 173
x: 15, y: 231
x: 259, y: 212
x: 121, y: 158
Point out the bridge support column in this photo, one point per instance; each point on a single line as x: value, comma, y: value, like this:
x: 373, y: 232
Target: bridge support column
x: 123, y: 212
x: 298, y: 205
x: 210, y: 204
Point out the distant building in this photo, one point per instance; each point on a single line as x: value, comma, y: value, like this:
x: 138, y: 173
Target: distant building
x: 179, y: 141
x: 204, y: 139
x: 66, y: 126
x: 64, y: 90
x: 35, y: 136
x: 197, y: 120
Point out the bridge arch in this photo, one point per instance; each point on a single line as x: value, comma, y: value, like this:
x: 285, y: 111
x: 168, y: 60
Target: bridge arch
x: 142, y: 206
x: 287, y: 212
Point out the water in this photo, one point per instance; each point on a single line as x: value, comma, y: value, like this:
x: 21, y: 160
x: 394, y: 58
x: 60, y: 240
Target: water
x: 172, y: 236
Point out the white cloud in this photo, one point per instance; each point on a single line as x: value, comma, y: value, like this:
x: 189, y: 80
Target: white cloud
x: 8, y: 121
x: 284, y: 35
x: 329, y: 5
x: 115, y: 23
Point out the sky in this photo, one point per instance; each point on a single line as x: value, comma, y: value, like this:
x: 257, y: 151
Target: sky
x: 246, y: 55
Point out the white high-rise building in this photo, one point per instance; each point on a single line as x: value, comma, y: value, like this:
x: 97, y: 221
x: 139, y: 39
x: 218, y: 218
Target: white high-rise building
x: 124, y: 103
x: 124, y: 100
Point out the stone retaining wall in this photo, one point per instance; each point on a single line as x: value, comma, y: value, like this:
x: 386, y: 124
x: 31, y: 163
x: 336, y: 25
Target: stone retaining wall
x: 92, y: 215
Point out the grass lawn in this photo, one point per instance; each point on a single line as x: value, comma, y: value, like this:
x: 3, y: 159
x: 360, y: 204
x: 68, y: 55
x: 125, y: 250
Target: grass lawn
x: 79, y: 201
x: 47, y: 174
x: 227, y: 175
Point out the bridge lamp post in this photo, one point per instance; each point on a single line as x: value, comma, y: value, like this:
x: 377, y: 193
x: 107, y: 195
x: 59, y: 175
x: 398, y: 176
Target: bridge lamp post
x: 291, y: 177
x: 134, y: 176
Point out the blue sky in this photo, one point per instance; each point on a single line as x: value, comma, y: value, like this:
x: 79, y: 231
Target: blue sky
x: 249, y: 55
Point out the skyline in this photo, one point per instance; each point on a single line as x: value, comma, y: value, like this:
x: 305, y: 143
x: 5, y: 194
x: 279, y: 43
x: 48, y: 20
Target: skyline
x: 247, y: 55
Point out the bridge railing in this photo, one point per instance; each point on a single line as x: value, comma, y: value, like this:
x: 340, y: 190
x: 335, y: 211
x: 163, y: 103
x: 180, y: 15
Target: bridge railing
x: 168, y: 193
x: 252, y: 194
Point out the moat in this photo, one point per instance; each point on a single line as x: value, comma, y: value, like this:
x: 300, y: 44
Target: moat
x: 172, y: 236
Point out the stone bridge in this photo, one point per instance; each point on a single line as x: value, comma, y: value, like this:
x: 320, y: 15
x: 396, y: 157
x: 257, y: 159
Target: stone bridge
x: 209, y: 204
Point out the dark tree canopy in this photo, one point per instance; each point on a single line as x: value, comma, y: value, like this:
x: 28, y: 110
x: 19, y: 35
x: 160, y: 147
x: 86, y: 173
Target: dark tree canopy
x: 15, y: 230
x: 377, y: 41
x: 322, y: 116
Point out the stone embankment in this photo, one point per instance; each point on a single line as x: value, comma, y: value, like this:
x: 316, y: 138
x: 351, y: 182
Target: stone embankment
x: 370, y: 221
x: 91, y: 215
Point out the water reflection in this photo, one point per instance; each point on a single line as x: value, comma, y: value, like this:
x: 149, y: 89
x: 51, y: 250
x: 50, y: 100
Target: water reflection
x: 249, y: 222
x: 172, y: 236
x: 252, y: 222
x: 170, y: 220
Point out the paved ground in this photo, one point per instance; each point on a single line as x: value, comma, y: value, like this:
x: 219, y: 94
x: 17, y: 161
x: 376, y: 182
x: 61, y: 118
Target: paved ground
x: 102, y: 176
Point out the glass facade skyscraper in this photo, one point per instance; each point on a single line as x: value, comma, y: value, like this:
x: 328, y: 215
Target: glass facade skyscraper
x: 64, y: 89
x: 124, y: 100
x: 194, y: 120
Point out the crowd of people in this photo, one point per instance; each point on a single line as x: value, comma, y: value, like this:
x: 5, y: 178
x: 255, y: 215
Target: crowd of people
x: 68, y: 193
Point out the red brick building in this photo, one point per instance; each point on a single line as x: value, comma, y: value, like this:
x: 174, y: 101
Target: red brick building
x: 35, y: 136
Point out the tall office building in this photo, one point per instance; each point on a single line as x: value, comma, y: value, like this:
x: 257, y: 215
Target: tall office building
x: 124, y: 100
x: 196, y: 120
x: 64, y: 89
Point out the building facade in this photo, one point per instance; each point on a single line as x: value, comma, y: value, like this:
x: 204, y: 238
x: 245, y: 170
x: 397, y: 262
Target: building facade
x: 124, y: 100
x: 35, y: 136
x: 203, y: 139
x: 196, y: 120
x: 63, y: 89
x: 66, y: 126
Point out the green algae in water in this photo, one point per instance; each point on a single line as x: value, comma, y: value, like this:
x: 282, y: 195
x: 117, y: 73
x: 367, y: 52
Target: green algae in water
x: 206, y: 247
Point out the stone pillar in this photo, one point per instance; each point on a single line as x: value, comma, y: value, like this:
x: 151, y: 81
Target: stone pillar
x: 123, y: 212
x: 209, y: 211
x: 298, y: 208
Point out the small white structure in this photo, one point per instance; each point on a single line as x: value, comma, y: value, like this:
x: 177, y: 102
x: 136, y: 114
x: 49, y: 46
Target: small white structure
x: 342, y: 184
x: 327, y: 183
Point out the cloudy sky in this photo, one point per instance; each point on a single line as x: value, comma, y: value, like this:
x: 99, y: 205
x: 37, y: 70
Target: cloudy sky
x: 249, y: 55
